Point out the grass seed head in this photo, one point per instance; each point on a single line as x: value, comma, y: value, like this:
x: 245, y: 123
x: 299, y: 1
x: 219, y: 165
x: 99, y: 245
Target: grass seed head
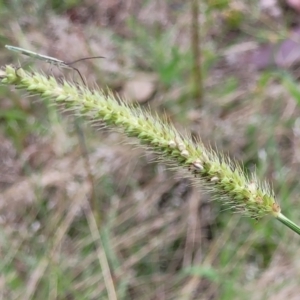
x: 218, y: 174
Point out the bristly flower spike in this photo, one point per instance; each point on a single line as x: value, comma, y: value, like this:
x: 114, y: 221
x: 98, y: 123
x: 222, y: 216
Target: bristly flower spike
x: 225, y: 179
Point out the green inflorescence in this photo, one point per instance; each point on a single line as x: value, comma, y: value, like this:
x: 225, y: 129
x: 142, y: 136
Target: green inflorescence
x: 225, y: 179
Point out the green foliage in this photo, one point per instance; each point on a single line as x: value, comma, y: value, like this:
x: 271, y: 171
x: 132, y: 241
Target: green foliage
x: 60, y: 6
x: 291, y: 85
x: 16, y: 125
x: 161, y: 54
x: 206, y: 272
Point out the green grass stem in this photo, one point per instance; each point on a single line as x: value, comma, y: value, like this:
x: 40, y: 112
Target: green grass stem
x: 287, y: 222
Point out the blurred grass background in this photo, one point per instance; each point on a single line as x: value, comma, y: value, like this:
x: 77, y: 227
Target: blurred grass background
x: 154, y: 235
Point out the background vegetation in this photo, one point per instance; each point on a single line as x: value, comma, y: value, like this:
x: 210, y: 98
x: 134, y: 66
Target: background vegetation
x: 148, y: 233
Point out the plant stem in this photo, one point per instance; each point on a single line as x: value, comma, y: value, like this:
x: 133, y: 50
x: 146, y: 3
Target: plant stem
x: 197, y: 79
x: 287, y: 222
